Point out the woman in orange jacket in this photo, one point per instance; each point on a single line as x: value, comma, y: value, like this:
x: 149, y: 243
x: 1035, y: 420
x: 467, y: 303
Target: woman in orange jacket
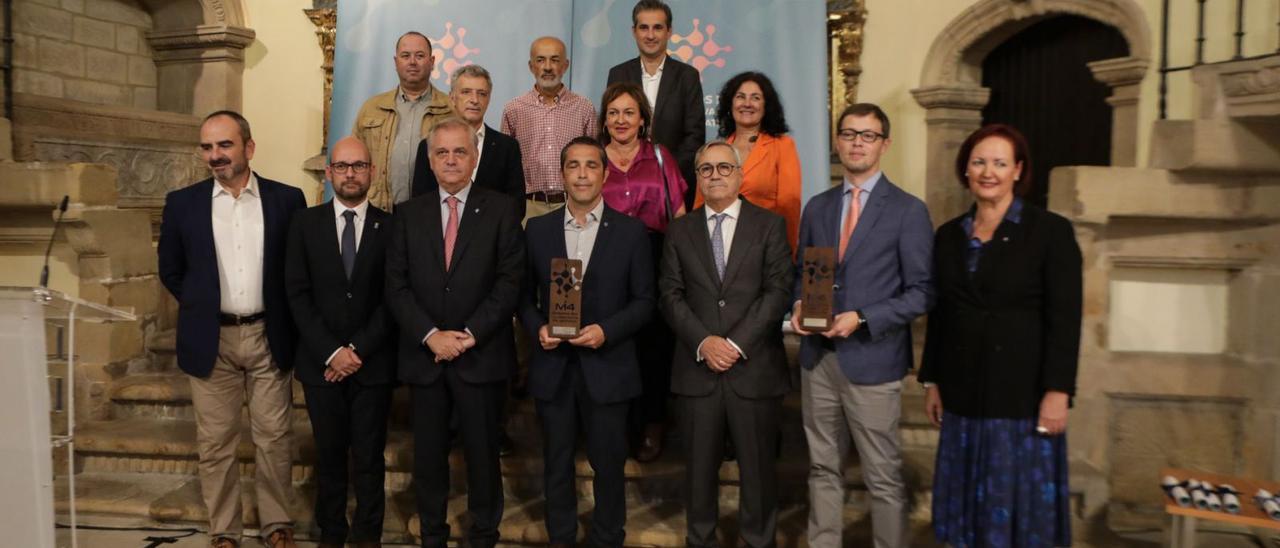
x: 751, y: 119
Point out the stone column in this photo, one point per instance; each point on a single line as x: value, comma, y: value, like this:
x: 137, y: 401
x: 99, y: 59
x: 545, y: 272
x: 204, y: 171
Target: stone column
x: 1124, y: 76
x: 200, y: 69
x: 951, y: 114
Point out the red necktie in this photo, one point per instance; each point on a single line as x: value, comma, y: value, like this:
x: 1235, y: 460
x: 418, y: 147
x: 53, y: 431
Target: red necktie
x: 450, y: 230
x: 850, y: 221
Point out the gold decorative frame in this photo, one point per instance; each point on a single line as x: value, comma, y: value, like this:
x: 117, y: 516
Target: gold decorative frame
x: 845, y: 22
x: 326, y: 22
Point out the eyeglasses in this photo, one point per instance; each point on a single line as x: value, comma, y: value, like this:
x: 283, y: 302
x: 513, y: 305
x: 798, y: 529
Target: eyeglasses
x: 867, y: 136
x: 342, y: 167
x: 724, y: 168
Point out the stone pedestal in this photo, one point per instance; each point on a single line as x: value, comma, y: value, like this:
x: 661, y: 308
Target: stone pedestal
x: 951, y: 113
x: 200, y: 69
x: 1124, y: 76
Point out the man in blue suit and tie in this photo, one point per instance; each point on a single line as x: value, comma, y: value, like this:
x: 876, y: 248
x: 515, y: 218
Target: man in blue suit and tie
x: 852, y: 373
x: 221, y: 255
x: 587, y: 381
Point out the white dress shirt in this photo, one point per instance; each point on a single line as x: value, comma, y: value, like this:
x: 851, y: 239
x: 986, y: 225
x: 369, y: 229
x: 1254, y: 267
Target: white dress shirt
x: 727, y: 227
x: 579, y: 240
x: 650, y: 83
x: 341, y: 222
x: 479, y: 150
x: 238, y: 239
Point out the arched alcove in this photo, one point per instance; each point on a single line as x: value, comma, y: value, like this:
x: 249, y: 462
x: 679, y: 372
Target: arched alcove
x: 953, y: 98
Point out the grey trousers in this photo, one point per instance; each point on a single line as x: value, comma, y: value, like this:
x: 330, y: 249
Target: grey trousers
x: 835, y: 412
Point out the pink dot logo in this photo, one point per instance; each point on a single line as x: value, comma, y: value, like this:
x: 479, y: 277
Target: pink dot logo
x: 699, y: 49
x: 448, y: 53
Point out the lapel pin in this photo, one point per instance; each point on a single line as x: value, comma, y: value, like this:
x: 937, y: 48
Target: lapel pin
x: 477, y: 210
x: 1004, y: 239
x: 375, y: 225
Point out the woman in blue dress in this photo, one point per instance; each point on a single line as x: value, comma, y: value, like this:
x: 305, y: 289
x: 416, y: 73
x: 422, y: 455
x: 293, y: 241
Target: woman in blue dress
x: 1000, y: 355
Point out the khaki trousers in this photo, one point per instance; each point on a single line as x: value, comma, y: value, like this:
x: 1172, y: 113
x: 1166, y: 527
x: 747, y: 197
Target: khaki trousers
x: 535, y: 208
x: 244, y: 369
x: 835, y: 412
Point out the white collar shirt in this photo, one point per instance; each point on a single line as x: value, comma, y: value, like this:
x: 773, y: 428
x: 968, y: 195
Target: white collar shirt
x: 650, y: 82
x: 362, y: 212
x: 462, y: 197
x: 727, y: 226
x: 579, y: 240
x: 238, y: 240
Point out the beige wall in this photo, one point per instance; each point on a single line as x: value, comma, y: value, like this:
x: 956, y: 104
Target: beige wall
x: 284, y: 91
x: 23, y: 268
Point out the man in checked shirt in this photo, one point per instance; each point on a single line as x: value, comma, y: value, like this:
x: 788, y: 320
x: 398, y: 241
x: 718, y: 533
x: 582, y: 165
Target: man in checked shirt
x: 544, y: 120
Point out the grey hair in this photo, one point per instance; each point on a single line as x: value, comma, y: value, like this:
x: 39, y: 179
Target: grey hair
x: 737, y: 158
x: 474, y: 71
x: 454, y: 122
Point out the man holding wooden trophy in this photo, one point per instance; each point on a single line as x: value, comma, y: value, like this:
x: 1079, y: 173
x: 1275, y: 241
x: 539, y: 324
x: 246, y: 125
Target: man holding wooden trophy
x: 590, y: 290
x: 865, y: 273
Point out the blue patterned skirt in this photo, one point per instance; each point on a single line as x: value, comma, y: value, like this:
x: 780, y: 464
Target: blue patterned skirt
x: 998, y: 483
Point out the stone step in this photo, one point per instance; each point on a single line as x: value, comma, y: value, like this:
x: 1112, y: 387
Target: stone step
x: 648, y: 523
x: 1217, y: 145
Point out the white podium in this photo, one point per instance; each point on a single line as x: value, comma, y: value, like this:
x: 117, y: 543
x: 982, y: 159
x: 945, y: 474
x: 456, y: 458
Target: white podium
x: 26, y: 445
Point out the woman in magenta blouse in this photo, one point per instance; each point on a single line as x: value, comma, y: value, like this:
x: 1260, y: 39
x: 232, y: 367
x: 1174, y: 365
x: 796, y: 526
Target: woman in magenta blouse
x: 643, y: 181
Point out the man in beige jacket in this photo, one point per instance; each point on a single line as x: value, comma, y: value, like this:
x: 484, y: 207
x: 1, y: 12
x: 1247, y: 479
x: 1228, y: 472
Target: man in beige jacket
x: 391, y: 124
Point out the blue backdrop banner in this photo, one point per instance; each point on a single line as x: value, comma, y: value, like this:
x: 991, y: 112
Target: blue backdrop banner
x: 785, y: 39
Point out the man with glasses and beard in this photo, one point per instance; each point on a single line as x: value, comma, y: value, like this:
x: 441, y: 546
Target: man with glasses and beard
x: 334, y: 276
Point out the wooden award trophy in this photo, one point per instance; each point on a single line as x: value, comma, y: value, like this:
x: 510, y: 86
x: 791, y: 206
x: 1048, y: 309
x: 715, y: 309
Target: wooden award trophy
x: 564, y: 312
x: 817, y: 291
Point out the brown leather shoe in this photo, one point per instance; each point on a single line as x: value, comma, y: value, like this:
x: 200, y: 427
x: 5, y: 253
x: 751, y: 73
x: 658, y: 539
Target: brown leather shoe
x: 281, y: 538
x: 224, y: 542
x: 651, y: 443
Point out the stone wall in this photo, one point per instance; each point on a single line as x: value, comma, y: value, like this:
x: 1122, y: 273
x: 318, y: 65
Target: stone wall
x: 94, y: 51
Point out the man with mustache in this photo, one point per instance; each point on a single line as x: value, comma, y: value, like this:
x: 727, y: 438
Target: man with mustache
x: 334, y: 275
x: 544, y: 120
x: 221, y: 255
x: 391, y: 124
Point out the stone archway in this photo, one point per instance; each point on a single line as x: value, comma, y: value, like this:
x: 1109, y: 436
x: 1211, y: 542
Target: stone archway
x: 952, y: 95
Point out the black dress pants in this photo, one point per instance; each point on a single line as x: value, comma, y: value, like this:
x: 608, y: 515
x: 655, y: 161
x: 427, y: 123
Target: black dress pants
x: 478, y: 409
x: 605, y: 426
x: 349, y: 418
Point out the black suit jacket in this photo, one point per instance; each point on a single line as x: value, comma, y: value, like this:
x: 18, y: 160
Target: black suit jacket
x: 188, y: 264
x: 746, y: 308
x: 331, y: 311
x: 679, y: 118
x: 1000, y: 338
x: 479, y: 293
x: 500, y: 167
x: 617, y: 294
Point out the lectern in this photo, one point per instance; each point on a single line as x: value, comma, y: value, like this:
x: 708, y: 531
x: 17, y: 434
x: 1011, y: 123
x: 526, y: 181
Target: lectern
x: 29, y: 396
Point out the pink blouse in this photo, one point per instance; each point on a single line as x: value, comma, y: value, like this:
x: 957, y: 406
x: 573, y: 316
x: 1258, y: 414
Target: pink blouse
x: 637, y: 192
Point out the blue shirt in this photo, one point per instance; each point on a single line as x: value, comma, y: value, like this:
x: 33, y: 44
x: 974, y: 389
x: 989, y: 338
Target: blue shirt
x: 1013, y: 215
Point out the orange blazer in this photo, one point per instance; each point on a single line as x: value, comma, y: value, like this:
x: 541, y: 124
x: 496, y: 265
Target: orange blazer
x: 771, y: 179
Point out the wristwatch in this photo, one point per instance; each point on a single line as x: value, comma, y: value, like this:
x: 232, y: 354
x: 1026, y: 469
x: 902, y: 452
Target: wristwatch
x: 862, y: 320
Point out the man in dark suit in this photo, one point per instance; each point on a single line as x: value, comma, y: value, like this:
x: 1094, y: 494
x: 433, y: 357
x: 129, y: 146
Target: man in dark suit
x: 454, y: 270
x: 334, y: 275
x: 589, y: 378
x: 851, y: 381
x: 221, y: 255
x: 498, y: 167
x: 724, y: 286
x: 674, y: 89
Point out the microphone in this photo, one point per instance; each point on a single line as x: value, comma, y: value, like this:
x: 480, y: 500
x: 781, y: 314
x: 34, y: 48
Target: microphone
x: 44, y: 273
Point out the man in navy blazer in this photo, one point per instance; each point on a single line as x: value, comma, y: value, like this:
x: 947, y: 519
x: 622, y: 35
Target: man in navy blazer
x: 587, y: 379
x: 221, y: 255
x: 852, y: 372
